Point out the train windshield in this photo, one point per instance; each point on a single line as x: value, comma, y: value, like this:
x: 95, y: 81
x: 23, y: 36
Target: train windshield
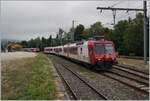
x: 104, y: 49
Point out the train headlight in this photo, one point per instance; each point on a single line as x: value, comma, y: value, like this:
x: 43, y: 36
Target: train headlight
x: 99, y: 59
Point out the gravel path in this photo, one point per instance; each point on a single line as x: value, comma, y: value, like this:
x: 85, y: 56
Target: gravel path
x: 16, y: 55
x: 112, y: 89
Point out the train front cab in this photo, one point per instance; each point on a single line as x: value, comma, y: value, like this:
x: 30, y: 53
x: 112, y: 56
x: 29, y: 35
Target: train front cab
x: 102, y: 54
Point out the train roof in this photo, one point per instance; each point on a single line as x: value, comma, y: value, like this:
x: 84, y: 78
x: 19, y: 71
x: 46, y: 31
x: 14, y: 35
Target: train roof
x: 48, y: 47
x: 100, y: 41
x: 83, y: 42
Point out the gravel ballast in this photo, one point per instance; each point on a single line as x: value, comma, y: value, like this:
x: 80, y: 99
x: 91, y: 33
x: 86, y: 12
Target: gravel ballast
x: 113, y: 89
x: 81, y: 90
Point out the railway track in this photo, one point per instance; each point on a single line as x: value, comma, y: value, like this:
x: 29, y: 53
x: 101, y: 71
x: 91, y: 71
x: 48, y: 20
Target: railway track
x: 137, y: 86
x: 136, y: 80
x: 130, y: 76
x: 78, y: 86
x: 137, y: 83
x: 131, y: 71
x: 132, y: 68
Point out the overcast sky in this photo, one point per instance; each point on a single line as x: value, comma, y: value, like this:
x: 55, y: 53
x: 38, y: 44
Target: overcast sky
x: 29, y: 19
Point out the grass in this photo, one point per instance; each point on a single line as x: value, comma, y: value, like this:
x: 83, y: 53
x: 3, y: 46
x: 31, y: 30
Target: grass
x: 28, y: 79
x: 132, y: 62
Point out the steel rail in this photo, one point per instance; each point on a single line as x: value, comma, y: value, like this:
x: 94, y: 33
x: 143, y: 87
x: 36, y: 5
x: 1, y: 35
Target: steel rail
x: 130, y: 85
x: 119, y: 74
x: 85, y: 82
x: 70, y: 89
x: 128, y: 67
x: 145, y: 83
x: 131, y: 72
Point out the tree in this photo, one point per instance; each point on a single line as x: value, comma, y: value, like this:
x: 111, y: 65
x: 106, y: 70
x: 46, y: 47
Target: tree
x: 133, y: 38
x: 86, y: 34
x: 38, y: 43
x: 127, y: 36
x: 78, y: 32
x: 44, y: 43
x: 118, y: 34
x: 49, y: 41
x: 24, y: 44
x: 56, y: 41
x: 97, y: 29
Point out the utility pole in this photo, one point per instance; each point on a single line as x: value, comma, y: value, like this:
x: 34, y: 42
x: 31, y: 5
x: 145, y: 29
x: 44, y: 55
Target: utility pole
x: 60, y: 35
x: 145, y: 31
x: 73, y: 30
x: 145, y: 21
x: 114, y: 15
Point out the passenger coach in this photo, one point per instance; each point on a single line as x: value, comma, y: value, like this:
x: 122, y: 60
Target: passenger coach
x: 99, y: 54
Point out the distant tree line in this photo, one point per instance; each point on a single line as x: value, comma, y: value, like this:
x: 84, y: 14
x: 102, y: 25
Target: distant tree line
x: 38, y: 43
x: 126, y: 34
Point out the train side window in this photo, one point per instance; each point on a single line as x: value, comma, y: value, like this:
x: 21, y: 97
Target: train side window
x: 80, y: 50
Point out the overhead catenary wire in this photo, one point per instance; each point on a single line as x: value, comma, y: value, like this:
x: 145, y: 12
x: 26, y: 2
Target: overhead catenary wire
x: 122, y: 15
x: 115, y: 4
x: 114, y: 12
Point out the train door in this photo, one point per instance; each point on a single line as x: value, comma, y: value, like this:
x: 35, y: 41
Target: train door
x: 68, y: 50
x: 91, y: 55
x: 79, y: 52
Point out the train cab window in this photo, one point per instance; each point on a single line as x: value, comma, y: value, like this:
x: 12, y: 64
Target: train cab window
x: 99, y: 49
x: 104, y: 48
x: 109, y: 48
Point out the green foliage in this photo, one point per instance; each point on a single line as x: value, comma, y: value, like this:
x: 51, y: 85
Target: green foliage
x: 44, y: 43
x: 78, y: 32
x: 127, y: 36
x: 49, y: 41
x: 34, y: 43
x: 24, y: 44
x: 133, y: 39
x: 97, y: 29
x: 117, y: 36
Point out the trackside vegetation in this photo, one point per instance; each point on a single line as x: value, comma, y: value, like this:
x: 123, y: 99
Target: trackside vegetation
x: 127, y: 36
x: 28, y: 79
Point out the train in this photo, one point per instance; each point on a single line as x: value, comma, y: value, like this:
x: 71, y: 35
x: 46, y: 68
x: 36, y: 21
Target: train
x: 98, y: 54
x: 31, y: 49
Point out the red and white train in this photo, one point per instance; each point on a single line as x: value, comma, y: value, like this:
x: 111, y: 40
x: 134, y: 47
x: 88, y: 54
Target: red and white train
x: 31, y: 49
x: 99, y: 54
